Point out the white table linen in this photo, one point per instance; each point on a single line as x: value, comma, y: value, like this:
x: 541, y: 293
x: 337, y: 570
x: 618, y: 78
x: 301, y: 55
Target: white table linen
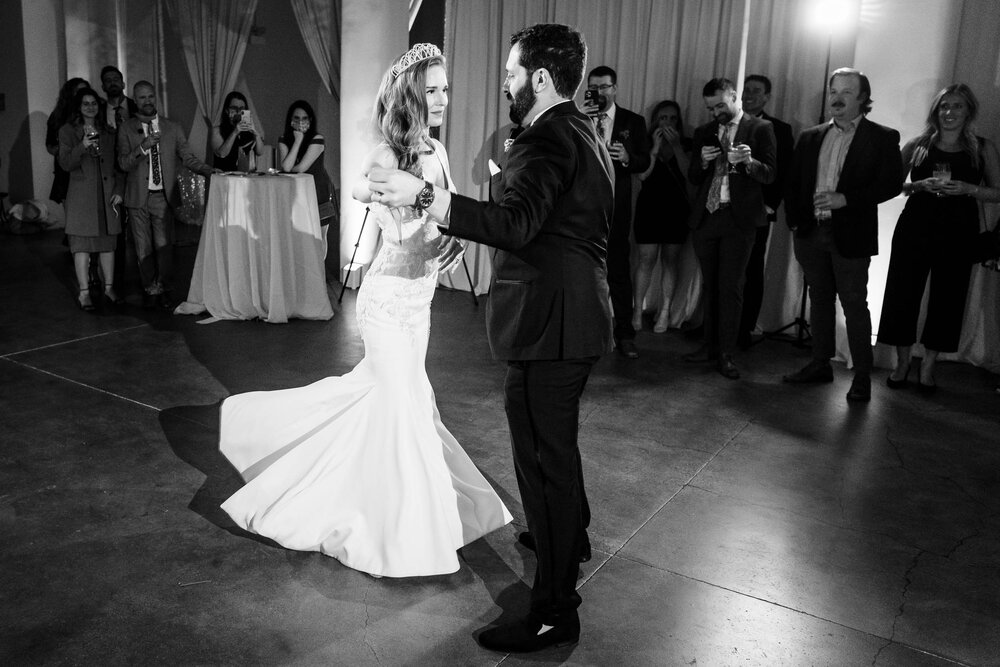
x: 261, y: 251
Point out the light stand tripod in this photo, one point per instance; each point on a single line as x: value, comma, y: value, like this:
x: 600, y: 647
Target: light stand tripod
x: 802, y: 334
x: 357, y: 242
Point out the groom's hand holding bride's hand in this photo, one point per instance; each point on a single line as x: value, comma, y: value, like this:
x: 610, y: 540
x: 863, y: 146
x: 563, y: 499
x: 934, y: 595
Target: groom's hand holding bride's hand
x: 393, y: 187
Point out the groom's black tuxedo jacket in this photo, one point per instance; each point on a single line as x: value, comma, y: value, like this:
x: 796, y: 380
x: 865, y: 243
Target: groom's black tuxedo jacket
x: 549, y: 221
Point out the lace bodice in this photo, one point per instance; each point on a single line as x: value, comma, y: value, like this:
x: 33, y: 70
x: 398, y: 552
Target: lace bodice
x: 402, y: 278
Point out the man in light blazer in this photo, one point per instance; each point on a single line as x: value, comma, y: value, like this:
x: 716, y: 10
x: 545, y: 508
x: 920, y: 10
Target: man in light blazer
x: 727, y: 210
x: 841, y: 172
x: 548, y: 313
x: 149, y: 149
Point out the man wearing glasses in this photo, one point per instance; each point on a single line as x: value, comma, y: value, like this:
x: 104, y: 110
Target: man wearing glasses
x: 624, y: 133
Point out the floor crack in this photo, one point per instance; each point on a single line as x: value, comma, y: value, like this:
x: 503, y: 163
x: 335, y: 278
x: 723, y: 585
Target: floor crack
x: 907, y: 580
x: 368, y: 643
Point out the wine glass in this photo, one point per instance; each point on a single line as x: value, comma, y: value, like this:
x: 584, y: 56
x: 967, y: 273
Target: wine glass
x: 942, y: 174
x: 733, y: 157
x: 93, y: 135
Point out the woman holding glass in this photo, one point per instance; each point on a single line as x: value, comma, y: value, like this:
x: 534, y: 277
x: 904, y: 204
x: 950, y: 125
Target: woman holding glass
x: 87, y: 153
x: 951, y: 170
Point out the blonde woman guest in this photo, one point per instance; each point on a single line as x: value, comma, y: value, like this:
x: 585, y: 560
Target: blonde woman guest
x: 661, y: 212
x: 935, y: 232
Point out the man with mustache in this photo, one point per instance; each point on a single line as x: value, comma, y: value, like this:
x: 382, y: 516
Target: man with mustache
x: 548, y: 315
x: 149, y: 148
x: 841, y: 172
x: 733, y: 158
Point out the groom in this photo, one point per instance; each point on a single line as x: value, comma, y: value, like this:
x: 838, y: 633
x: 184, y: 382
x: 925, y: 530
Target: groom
x: 548, y: 313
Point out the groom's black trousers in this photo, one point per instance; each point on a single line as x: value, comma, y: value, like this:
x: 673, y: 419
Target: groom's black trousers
x: 543, y: 411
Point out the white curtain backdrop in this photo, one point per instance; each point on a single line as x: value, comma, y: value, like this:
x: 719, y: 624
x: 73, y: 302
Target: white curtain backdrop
x: 214, y: 35
x: 319, y: 23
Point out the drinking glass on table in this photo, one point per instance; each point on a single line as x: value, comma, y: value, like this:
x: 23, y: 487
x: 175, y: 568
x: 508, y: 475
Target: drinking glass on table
x: 942, y: 174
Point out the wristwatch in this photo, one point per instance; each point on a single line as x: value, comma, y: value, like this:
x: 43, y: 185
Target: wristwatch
x: 425, y: 197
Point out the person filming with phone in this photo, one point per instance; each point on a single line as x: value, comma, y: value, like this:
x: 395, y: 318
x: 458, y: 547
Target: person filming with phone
x: 236, y: 145
x: 734, y: 156
x: 624, y: 133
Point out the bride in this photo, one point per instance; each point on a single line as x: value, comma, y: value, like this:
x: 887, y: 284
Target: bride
x: 360, y: 467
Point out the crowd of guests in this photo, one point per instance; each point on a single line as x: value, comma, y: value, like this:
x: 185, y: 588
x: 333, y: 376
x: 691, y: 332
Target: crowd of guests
x: 722, y: 189
x: 117, y: 162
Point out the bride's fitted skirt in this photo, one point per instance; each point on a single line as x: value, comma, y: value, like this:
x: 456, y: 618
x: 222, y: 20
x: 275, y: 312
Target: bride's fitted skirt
x: 360, y: 467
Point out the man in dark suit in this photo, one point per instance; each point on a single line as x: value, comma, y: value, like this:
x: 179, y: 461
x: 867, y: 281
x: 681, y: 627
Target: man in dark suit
x: 756, y: 95
x: 624, y: 133
x: 149, y: 148
x: 728, y: 209
x: 548, y: 313
x: 120, y: 107
x: 841, y: 172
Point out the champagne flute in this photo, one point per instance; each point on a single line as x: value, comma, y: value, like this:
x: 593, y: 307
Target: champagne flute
x: 942, y: 174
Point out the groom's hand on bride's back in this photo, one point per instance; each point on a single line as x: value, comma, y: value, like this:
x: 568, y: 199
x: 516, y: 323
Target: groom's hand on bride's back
x: 393, y: 186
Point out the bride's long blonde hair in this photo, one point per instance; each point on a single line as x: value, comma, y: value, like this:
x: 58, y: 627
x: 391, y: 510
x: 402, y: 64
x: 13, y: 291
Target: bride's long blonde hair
x: 401, y: 109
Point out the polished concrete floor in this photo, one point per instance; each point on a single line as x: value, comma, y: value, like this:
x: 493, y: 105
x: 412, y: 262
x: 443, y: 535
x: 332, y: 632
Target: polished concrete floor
x: 735, y: 523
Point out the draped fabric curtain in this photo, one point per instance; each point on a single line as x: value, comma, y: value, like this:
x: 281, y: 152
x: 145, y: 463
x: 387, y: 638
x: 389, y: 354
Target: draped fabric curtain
x: 214, y: 35
x: 319, y: 23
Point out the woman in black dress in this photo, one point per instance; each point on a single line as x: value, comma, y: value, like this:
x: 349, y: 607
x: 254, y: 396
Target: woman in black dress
x: 951, y: 170
x: 661, y: 212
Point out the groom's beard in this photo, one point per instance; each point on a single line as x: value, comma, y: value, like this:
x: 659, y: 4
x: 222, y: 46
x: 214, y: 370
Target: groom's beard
x: 521, y: 103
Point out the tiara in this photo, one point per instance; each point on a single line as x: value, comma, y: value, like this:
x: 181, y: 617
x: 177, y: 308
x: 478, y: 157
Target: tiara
x: 413, y: 56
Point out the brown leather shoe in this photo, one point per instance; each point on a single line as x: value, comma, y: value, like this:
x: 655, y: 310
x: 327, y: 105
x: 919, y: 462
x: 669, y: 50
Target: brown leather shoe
x: 727, y: 367
x: 861, y: 389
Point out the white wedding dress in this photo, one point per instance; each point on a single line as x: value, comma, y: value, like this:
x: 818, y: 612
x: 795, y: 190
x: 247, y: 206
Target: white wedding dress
x: 360, y: 467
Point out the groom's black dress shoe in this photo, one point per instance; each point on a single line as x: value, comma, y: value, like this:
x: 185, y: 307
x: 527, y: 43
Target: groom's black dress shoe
x: 527, y: 540
x: 530, y: 634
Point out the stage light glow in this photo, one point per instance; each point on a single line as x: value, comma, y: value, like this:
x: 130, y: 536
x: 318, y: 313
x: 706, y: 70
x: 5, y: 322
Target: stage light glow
x: 832, y: 16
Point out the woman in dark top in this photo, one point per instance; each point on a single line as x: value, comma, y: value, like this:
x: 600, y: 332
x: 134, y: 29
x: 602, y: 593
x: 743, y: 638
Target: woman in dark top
x: 235, y: 139
x: 300, y: 150
x: 661, y: 212
x: 61, y: 115
x: 935, y: 232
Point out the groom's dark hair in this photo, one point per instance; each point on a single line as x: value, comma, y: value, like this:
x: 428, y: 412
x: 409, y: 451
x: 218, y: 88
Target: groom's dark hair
x: 556, y: 48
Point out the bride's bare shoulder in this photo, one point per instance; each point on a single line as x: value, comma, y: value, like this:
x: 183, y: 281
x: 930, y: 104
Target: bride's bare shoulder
x: 380, y: 156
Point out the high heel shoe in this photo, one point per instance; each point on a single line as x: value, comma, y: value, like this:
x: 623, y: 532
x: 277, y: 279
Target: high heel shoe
x: 899, y: 384
x: 111, y: 295
x: 662, y: 322
x: 83, y: 300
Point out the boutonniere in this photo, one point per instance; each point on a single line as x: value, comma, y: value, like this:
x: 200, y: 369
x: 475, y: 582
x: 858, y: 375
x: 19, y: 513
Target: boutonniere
x: 507, y: 143
x: 624, y: 135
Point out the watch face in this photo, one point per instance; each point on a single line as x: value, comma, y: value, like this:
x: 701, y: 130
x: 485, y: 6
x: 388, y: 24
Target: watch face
x: 425, y: 197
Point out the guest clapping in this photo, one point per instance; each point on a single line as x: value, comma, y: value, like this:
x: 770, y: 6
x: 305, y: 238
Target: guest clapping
x: 950, y: 168
x: 235, y: 143
x: 661, y: 212
x: 300, y: 150
x: 87, y: 153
